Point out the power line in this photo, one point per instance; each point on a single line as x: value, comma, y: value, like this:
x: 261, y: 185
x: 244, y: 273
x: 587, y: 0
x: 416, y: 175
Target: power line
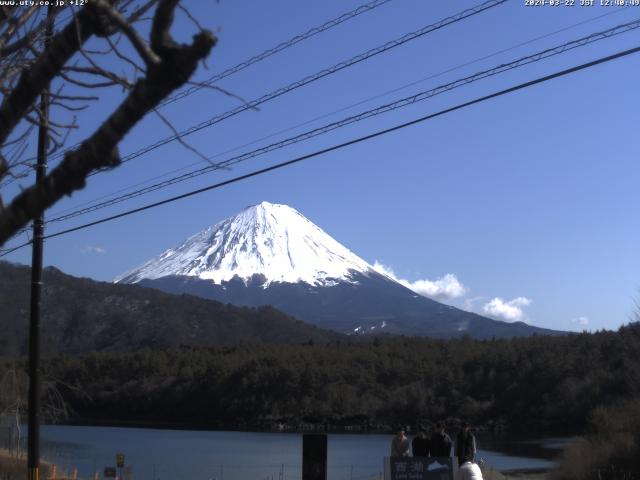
x: 342, y: 109
x: 256, y: 58
x: 361, y: 139
x: 306, y: 80
x: 58, y: 21
x: 316, y: 76
x: 309, y: 79
x: 278, y: 48
x: 421, y: 96
x: 7, y: 251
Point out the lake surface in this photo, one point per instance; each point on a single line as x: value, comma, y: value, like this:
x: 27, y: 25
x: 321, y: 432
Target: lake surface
x: 156, y: 454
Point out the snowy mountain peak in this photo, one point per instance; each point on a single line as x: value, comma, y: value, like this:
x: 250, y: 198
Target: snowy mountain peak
x: 267, y: 239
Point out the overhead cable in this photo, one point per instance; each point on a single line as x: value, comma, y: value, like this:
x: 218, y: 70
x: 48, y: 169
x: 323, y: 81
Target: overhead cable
x: 354, y: 141
x: 256, y: 58
x: 252, y: 104
x: 315, y: 77
x: 278, y: 48
x: 342, y: 109
x: 404, y: 102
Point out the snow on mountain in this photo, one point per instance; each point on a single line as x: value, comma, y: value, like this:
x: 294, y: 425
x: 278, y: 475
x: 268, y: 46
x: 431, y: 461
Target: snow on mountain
x: 267, y: 239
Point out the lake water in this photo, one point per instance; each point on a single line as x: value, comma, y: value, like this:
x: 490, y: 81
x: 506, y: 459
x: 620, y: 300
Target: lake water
x: 156, y: 454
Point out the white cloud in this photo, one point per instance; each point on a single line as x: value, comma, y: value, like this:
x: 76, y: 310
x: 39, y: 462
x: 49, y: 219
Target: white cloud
x: 581, y: 320
x: 509, y: 311
x: 383, y: 269
x: 469, y: 303
x: 92, y: 249
x: 443, y: 288
x: 447, y: 286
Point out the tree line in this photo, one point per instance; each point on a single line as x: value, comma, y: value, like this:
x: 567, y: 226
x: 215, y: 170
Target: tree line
x: 536, y: 383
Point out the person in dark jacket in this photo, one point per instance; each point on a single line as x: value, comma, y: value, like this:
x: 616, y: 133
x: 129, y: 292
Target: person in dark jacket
x: 420, y: 444
x: 440, y: 443
x: 465, y: 445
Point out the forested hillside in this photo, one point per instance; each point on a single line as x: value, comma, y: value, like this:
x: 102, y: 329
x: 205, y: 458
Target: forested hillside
x: 539, y: 383
x: 81, y: 315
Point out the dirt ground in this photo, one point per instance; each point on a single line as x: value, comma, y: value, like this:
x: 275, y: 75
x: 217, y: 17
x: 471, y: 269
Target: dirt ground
x: 490, y: 474
x: 534, y: 475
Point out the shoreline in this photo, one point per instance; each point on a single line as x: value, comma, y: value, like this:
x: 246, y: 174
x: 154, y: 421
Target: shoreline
x: 525, y: 471
x: 490, y: 473
x: 292, y: 427
x: 526, y: 474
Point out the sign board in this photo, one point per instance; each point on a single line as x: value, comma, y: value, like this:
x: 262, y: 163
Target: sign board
x: 421, y: 468
x: 119, y: 460
x: 109, y: 472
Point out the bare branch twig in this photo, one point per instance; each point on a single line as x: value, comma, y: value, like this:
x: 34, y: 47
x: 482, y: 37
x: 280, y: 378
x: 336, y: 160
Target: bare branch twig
x: 148, y: 55
x: 179, y: 137
x: 178, y: 62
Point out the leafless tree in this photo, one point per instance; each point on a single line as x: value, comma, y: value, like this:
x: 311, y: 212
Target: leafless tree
x: 75, y: 69
x: 14, y: 389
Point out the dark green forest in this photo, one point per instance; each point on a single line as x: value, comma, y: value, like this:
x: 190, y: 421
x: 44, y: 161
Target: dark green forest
x: 81, y: 315
x: 537, y: 383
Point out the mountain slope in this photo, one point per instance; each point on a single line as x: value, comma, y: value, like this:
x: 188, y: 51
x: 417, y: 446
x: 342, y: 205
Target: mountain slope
x: 81, y: 315
x: 272, y: 255
x: 274, y: 241
x: 370, y: 304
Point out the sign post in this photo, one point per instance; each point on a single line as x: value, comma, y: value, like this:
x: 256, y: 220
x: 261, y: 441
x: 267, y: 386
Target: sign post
x: 33, y: 446
x: 420, y: 468
x: 314, y: 456
x: 120, y: 464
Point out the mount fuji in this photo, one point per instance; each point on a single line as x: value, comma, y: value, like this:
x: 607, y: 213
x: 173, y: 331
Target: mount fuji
x: 270, y: 254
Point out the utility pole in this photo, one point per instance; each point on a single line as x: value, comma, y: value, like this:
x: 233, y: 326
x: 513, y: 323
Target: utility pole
x: 33, y: 454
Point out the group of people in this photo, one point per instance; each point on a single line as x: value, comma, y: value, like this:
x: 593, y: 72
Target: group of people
x: 437, y: 445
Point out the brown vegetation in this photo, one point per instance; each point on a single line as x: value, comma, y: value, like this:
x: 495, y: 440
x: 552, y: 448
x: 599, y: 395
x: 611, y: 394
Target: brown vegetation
x: 609, y: 451
x: 14, y: 466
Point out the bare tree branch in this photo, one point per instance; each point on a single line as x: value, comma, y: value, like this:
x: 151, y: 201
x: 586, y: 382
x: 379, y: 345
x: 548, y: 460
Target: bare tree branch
x: 177, y: 64
x: 102, y: 73
x: 225, y: 92
x: 4, y: 167
x: 149, y: 57
x: 114, y: 49
x: 137, y: 15
x: 179, y: 138
x: 17, y: 23
x: 161, y: 40
x: 29, y: 38
x: 193, y: 19
x: 80, y: 83
x: 76, y: 98
x: 46, y: 67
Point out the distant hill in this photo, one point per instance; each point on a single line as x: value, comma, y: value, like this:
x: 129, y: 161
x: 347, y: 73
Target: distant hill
x: 81, y: 315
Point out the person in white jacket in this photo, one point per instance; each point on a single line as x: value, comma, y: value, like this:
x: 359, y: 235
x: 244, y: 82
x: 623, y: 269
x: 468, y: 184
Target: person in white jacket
x: 469, y: 471
x: 400, y: 444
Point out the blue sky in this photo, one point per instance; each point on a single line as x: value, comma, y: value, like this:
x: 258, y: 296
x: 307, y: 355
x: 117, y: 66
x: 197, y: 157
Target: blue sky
x: 524, y: 206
